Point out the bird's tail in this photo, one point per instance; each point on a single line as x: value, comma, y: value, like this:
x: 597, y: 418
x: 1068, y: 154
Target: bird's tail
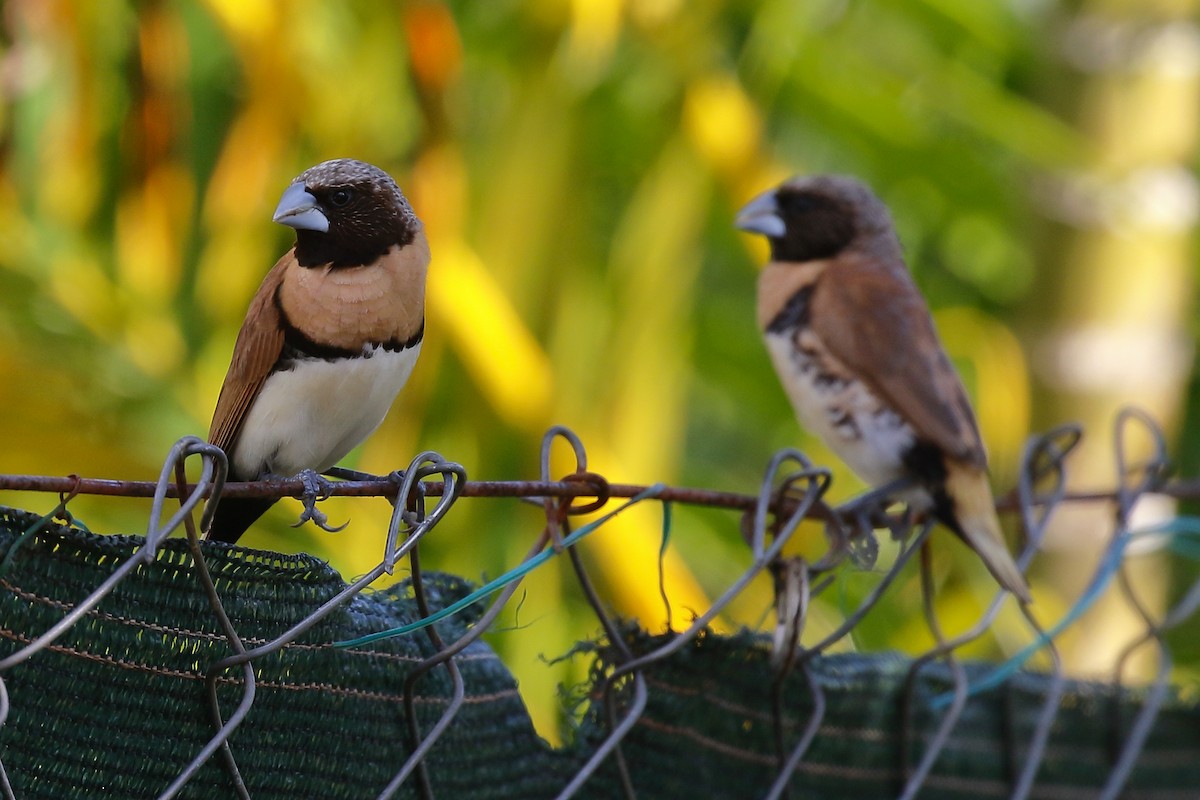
x: 234, y: 515
x: 975, y: 521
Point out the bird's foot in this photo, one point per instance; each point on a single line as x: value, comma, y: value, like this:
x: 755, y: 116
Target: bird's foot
x: 395, y: 477
x: 868, y: 512
x: 346, y: 474
x: 864, y: 513
x: 316, y: 488
x: 858, y: 521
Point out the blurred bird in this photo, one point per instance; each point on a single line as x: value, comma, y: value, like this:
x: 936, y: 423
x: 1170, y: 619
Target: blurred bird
x: 329, y: 339
x: 855, y: 348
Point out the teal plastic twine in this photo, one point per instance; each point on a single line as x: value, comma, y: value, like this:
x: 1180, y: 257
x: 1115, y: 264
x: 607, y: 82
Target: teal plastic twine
x: 662, y: 556
x: 1188, y: 527
x: 37, y: 525
x: 516, y: 573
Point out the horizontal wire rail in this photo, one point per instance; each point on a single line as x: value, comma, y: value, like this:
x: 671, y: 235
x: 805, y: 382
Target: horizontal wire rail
x: 1181, y: 489
x: 791, y: 490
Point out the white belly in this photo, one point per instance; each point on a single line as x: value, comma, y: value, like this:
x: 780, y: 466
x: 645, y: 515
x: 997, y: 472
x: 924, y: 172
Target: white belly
x: 848, y: 417
x: 311, y: 416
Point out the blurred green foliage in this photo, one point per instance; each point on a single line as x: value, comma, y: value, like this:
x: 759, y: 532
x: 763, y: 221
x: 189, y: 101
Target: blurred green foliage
x: 577, y: 165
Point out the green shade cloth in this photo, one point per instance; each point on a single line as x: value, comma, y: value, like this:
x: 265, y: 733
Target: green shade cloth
x: 117, y: 707
x: 709, y: 723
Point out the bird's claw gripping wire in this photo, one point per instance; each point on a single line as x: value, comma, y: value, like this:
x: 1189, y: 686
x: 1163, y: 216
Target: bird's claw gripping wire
x: 316, y: 487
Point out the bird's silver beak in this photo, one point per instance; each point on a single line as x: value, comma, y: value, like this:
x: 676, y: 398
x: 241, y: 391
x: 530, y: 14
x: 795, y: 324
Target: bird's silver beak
x: 761, y: 215
x: 298, y: 209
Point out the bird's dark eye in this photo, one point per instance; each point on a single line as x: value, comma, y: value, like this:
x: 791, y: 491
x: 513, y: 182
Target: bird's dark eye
x: 340, y: 197
x: 800, y: 203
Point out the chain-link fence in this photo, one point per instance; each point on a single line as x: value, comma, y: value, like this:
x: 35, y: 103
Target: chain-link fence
x: 147, y: 666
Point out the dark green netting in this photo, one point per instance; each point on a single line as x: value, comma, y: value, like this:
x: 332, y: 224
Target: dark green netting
x: 708, y: 723
x: 117, y: 707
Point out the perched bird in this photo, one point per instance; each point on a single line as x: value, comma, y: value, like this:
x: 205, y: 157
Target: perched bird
x: 855, y: 348
x: 329, y: 339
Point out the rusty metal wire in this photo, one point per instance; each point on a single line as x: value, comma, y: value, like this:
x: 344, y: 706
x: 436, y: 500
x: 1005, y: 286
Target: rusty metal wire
x: 791, y: 490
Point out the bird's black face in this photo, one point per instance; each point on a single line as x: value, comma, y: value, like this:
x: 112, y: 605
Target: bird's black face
x: 346, y: 214
x: 815, y: 225
x: 819, y: 217
x: 364, y: 223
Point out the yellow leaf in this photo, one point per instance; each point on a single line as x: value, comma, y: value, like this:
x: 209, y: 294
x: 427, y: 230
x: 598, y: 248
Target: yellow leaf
x: 722, y: 123
x: 499, y: 350
x: 249, y: 19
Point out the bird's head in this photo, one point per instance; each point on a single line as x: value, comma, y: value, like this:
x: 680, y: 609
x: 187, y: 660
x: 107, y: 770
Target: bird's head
x: 346, y: 213
x: 815, y: 217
